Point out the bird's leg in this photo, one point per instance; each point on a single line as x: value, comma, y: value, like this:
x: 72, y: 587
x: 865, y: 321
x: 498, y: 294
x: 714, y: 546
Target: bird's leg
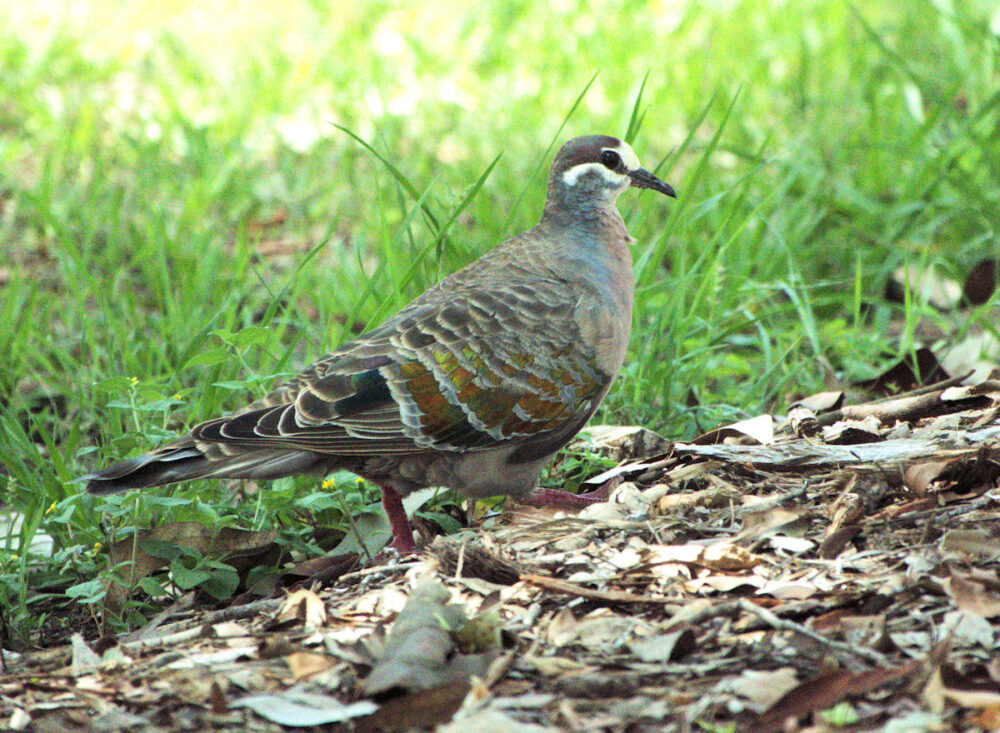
x: 557, y: 498
x: 402, y: 533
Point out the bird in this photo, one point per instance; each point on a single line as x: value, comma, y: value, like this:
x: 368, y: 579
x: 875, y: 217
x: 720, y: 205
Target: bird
x: 473, y: 386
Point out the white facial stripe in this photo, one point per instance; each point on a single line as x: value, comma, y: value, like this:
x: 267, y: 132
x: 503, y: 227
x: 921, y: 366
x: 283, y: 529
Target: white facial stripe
x: 627, y: 155
x: 571, y: 176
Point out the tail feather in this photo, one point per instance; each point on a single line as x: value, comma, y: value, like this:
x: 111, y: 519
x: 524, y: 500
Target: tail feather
x: 188, y: 463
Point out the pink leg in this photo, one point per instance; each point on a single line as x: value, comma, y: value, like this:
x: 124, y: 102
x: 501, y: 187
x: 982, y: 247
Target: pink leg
x: 555, y: 497
x: 402, y: 533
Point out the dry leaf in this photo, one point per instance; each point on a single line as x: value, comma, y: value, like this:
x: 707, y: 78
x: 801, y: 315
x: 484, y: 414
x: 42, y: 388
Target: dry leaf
x: 788, y: 590
x: 491, y: 721
x: 664, y: 647
x: 85, y: 660
x: 902, y: 377
x: 307, y: 664
x: 920, y: 476
x: 981, y: 282
x: 234, y: 634
x: 759, y: 430
x: 554, y: 666
x: 971, y: 596
x: 563, y: 628
x: 821, y: 401
x: 946, y: 683
x: 719, y: 556
x: 300, y: 709
x: 227, y: 542
x: 969, y: 544
x: 763, y: 689
x: 304, y: 605
x: 758, y: 524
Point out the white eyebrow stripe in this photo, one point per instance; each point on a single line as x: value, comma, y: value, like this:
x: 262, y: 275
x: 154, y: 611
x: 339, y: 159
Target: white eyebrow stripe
x: 571, y: 176
x: 627, y: 155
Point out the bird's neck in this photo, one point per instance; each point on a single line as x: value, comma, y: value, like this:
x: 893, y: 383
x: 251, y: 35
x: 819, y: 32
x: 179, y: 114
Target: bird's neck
x: 594, y: 248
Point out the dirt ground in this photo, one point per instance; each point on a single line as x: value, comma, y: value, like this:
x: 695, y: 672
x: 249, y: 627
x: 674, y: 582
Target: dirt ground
x: 837, y: 571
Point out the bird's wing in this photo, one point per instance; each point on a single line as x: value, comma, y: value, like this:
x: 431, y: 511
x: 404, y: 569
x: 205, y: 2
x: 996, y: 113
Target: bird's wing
x: 464, y: 369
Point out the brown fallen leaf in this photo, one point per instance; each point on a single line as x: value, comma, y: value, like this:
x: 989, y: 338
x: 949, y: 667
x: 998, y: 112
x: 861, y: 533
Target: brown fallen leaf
x: 918, y: 477
x: 324, y: 569
x: 904, y: 375
x: 970, y: 596
x: 722, y: 556
x: 303, y: 605
x: 417, y: 710
x: 763, y: 688
x: 238, y: 547
x: 969, y: 544
x: 826, y: 691
x: 947, y: 683
x: 981, y: 282
x: 663, y: 648
x: 217, y: 699
x: 303, y: 665
x: 722, y: 583
x: 772, y: 520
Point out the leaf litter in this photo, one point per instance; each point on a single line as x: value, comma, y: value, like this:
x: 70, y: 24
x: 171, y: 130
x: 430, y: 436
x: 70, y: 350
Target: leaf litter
x: 770, y: 577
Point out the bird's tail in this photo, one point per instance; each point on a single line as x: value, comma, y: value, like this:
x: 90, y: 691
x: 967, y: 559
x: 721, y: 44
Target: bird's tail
x: 184, y: 461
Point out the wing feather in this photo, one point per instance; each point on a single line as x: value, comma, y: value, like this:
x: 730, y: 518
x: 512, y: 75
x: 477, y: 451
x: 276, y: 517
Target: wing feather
x: 465, y: 369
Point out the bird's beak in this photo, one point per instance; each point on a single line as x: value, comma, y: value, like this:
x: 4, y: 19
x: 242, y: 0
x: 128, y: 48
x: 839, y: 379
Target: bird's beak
x: 642, y: 178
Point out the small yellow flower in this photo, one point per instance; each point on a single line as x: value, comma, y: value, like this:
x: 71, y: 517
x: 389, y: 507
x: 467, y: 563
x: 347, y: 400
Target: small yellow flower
x: 177, y: 396
x: 328, y: 484
x: 135, y: 381
x: 52, y: 508
x: 97, y: 547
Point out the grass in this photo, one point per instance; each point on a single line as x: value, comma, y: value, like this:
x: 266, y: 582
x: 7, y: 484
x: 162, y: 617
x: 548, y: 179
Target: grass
x: 155, y: 157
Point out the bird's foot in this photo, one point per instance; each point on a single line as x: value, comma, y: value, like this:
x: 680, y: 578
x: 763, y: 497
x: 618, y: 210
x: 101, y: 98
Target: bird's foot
x: 557, y: 498
x: 403, y: 545
x: 395, y: 549
x: 402, y: 534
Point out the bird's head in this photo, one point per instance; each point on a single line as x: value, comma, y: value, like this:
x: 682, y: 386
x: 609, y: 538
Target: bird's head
x: 598, y: 168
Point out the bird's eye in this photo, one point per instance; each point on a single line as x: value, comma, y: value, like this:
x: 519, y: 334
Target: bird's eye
x: 610, y: 159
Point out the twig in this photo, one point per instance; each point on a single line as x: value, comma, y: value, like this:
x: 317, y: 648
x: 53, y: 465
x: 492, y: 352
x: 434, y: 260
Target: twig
x: 380, y: 569
x: 461, y: 561
x: 897, y: 406
x: 772, y: 502
x: 168, y: 639
x: 498, y: 668
x: 264, y: 605
x: 204, y: 624
x: 781, y: 624
x: 610, y: 596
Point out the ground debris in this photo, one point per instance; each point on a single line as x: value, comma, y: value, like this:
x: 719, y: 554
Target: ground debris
x: 744, y: 581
